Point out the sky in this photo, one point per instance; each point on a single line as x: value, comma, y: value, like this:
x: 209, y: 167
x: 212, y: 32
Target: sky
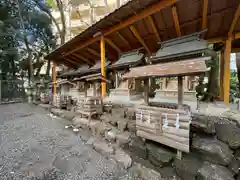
x: 233, y: 62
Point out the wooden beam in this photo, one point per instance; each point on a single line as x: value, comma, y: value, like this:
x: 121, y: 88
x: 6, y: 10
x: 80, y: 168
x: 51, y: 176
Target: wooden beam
x: 94, y: 52
x: 227, y: 73
x: 54, y: 79
x: 145, y: 13
x: 103, y: 65
x: 237, y: 35
x: 176, y: 20
x: 113, y: 45
x: 234, y: 22
x: 136, y: 34
x: 235, y: 50
x: 204, y: 14
x: 71, y: 61
x: 83, y: 58
x: 221, y: 75
x: 76, y: 59
x: 223, y: 39
x: 123, y: 39
x: 150, y: 19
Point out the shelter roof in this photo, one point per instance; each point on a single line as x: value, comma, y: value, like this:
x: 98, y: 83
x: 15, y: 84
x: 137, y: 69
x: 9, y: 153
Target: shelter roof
x: 81, y: 70
x: 186, y: 67
x: 151, y: 21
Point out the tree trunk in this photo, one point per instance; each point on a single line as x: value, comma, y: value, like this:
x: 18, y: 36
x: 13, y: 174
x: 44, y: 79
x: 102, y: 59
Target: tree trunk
x: 30, y: 65
x: 238, y: 69
x: 213, y: 85
x: 62, y: 15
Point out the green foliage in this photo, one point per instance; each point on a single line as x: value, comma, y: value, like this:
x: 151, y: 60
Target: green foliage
x: 52, y: 4
x: 25, y: 33
x: 234, y: 84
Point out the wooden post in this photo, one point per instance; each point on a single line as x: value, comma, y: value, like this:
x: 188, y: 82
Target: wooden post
x: 94, y: 89
x: 54, y: 79
x: 227, y: 73
x: 146, y: 90
x: 117, y: 79
x: 103, y: 65
x: 85, y: 89
x: 221, y: 75
x: 180, y: 91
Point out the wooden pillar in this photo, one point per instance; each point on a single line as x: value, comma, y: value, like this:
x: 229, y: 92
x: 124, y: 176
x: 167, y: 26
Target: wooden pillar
x: 180, y: 91
x: 103, y: 65
x: 221, y: 75
x: 94, y: 89
x: 146, y: 90
x: 85, y: 89
x: 54, y: 79
x: 117, y: 79
x: 227, y: 73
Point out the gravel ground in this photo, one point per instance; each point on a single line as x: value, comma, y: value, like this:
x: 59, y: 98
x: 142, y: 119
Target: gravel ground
x: 36, y: 146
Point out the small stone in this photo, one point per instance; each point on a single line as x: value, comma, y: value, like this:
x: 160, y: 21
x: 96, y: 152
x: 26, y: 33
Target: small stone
x: 159, y: 156
x: 168, y: 173
x: 213, y: 150
x: 228, y: 133
x: 137, y: 146
x: 123, y: 138
x: 131, y: 126
x: 188, y: 166
x: 122, y: 125
x: 103, y: 148
x: 122, y: 157
x: 214, y: 172
x: 234, y: 166
x: 75, y: 130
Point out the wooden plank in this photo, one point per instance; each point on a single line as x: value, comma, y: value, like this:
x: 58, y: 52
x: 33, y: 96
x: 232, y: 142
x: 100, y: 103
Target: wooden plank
x: 204, y: 14
x: 154, y: 28
x: 234, y: 22
x: 123, y: 39
x: 171, y: 122
x: 185, y: 118
x: 141, y: 41
x: 169, y: 129
x: 94, y: 52
x: 83, y: 58
x: 143, y: 14
x: 113, y: 45
x: 176, y: 20
x: 164, y: 110
x: 164, y: 140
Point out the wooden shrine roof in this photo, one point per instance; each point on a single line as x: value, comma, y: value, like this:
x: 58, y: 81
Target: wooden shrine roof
x: 128, y: 59
x: 184, y: 68
x: 144, y: 23
x: 92, y: 77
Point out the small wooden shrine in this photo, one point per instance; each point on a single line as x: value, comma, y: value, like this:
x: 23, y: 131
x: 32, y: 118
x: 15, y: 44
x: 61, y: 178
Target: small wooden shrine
x: 129, y: 89
x: 169, y: 126
x: 62, y: 98
x: 180, y: 48
x: 78, y: 90
x: 91, y: 106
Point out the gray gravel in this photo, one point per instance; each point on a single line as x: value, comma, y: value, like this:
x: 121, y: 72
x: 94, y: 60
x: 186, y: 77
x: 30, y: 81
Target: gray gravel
x: 36, y: 146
